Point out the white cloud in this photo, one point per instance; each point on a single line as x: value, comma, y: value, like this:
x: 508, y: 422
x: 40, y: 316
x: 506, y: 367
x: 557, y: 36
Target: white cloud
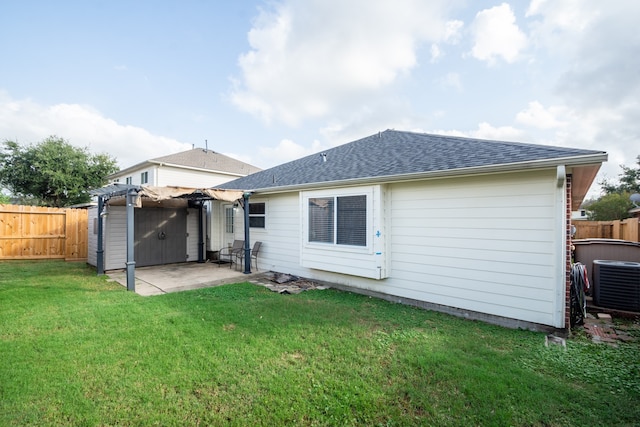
x: 496, y: 35
x: 436, y: 53
x: 314, y: 58
x: 286, y: 151
x: 536, y: 115
x: 487, y: 131
x: 561, y: 21
x: 28, y: 122
x: 599, y: 87
x: 453, y: 31
x: 452, y: 80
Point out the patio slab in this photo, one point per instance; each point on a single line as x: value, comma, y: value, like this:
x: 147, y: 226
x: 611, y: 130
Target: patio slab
x: 162, y: 279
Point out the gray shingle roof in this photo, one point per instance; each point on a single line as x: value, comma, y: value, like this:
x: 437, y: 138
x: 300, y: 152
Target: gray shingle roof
x: 395, y: 153
x: 207, y: 159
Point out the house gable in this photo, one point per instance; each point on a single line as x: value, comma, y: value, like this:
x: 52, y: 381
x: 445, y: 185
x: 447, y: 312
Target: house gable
x: 196, y: 168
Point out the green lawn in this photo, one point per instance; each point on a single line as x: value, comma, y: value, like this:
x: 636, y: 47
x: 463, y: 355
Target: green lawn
x: 77, y: 350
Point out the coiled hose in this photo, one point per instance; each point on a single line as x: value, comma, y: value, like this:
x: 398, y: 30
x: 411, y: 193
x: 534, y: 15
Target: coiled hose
x: 579, y: 286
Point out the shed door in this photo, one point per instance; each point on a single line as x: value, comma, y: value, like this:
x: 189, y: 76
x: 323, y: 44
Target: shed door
x: 160, y: 236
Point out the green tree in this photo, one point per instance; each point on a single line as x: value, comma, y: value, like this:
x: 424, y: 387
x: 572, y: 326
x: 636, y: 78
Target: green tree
x: 53, y: 171
x: 628, y: 180
x: 610, y: 207
x: 615, y: 203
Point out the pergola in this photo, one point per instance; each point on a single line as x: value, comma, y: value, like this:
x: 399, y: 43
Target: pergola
x: 135, y: 196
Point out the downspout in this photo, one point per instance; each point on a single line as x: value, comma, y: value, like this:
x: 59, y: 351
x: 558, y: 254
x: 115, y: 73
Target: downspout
x: 561, y: 254
x: 100, y: 249
x: 131, y: 263
x: 247, y: 239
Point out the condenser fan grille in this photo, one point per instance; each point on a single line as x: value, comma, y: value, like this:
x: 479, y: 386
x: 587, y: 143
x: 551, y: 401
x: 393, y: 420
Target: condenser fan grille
x: 616, y: 284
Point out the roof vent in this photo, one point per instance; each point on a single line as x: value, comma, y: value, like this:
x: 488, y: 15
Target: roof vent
x: 324, y: 157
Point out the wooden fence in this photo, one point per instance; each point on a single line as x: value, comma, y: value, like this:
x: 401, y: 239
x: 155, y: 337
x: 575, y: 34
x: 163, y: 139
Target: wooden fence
x: 33, y: 232
x: 627, y: 229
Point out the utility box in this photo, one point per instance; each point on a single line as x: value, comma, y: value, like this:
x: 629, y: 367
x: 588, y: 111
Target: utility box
x: 616, y: 284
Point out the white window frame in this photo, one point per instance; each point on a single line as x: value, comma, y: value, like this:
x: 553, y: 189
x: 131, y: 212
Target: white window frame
x: 229, y: 219
x: 144, y: 177
x: 129, y: 180
x: 336, y: 193
x: 263, y: 202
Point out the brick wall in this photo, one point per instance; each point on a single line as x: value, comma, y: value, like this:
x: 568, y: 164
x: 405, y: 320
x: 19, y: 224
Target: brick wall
x: 567, y: 300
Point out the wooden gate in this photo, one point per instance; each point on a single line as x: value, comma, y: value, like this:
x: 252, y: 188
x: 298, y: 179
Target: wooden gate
x: 34, y: 232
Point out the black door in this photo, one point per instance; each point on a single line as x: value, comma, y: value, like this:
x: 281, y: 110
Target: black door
x: 160, y: 236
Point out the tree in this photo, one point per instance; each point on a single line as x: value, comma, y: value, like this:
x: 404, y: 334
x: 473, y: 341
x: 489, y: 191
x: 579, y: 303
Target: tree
x: 53, y: 171
x: 610, y: 207
x: 628, y: 180
x: 615, y: 203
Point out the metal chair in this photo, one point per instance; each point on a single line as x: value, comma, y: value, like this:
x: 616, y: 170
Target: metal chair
x: 230, y: 252
x: 254, y: 254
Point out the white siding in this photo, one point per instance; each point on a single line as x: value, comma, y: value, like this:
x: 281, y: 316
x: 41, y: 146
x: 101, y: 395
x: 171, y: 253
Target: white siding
x: 92, y: 236
x: 136, y: 176
x: 488, y: 244
x: 115, y: 238
x: 167, y: 175
x: 281, y: 236
x: 192, y: 234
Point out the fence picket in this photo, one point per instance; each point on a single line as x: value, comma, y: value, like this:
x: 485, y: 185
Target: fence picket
x: 627, y: 229
x: 34, y: 232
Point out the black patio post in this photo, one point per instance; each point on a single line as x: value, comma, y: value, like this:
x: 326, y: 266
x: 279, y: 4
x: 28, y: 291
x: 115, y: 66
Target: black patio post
x: 247, y: 239
x: 131, y: 263
x: 201, y: 228
x: 100, y: 250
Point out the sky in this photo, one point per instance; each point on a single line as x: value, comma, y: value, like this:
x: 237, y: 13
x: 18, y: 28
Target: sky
x: 267, y: 82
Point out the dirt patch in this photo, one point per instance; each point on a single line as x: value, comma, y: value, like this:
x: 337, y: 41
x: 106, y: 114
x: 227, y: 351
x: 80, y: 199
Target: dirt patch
x: 287, y: 284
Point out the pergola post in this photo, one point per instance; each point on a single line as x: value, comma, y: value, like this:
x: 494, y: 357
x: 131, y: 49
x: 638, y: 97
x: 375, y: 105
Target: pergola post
x: 247, y: 238
x: 100, y: 249
x: 131, y: 263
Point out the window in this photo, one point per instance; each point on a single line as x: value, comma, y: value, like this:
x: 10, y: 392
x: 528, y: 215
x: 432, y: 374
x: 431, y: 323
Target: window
x: 343, y: 231
x: 228, y: 219
x: 257, y: 215
x: 144, y: 177
x: 338, y: 220
x: 129, y: 180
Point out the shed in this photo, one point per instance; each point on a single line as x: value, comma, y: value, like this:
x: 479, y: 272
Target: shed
x: 166, y: 226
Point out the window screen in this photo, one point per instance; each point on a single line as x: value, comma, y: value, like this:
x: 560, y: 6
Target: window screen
x: 352, y: 221
x: 338, y: 220
x: 321, y: 219
x: 257, y: 215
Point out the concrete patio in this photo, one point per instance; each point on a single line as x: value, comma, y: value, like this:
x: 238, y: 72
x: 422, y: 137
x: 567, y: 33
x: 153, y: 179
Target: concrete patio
x: 162, y: 279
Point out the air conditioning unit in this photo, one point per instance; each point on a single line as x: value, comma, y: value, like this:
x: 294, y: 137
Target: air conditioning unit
x: 616, y: 284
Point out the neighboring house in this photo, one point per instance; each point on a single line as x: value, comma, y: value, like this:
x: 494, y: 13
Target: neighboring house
x: 198, y: 168
x: 472, y: 227
x: 580, y: 214
x: 172, y: 230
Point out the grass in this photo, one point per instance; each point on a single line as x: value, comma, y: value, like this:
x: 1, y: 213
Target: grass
x: 77, y: 350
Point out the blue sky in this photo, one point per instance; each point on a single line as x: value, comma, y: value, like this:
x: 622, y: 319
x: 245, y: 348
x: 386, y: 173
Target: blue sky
x: 268, y: 82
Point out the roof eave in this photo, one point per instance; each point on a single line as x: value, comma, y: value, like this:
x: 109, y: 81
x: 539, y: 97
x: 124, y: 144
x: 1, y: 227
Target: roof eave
x: 574, y: 161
